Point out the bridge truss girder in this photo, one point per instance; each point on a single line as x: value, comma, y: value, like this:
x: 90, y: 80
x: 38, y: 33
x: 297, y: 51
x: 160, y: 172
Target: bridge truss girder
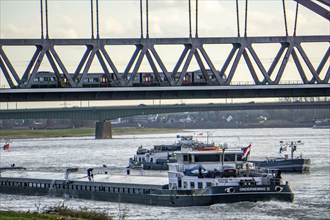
x: 242, y: 48
x: 110, y: 113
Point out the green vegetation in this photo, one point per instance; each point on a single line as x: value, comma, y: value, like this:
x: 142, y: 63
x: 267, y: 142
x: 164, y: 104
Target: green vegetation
x: 76, y: 132
x: 62, y: 212
x: 44, y: 133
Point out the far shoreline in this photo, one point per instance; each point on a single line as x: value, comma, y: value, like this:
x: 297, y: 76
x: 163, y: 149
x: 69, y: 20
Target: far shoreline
x: 79, y: 132
x: 25, y: 133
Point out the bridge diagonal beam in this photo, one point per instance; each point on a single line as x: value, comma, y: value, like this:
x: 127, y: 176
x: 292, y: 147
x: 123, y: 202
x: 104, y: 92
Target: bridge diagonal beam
x: 6, y: 73
x: 161, y: 65
x: 299, y: 67
x: 31, y: 64
x: 277, y: 59
x: 132, y: 60
x: 309, y: 64
x: 251, y: 68
x: 322, y: 11
x: 137, y: 65
x: 259, y: 64
x: 62, y: 67
x: 82, y: 62
x: 180, y: 61
x: 186, y: 64
x: 228, y: 61
x: 53, y: 65
x: 87, y: 66
x: 210, y: 64
x: 235, y: 63
x: 327, y: 76
x: 202, y: 67
x: 112, y: 66
x: 284, y: 63
x: 37, y: 64
x: 104, y: 66
x: 153, y: 67
x: 10, y: 66
x: 323, y: 61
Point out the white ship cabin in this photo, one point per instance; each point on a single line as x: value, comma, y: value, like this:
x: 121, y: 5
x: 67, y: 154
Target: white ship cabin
x: 158, y: 152
x: 201, y: 169
x: 186, y: 141
x: 211, y: 159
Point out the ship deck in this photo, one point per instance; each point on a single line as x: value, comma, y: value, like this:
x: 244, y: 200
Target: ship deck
x: 102, y: 178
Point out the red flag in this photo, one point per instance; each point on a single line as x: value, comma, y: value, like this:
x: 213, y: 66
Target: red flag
x: 246, y: 152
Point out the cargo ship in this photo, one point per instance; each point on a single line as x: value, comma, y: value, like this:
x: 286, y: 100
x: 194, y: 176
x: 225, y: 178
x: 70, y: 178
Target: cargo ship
x: 286, y: 163
x: 198, y: 178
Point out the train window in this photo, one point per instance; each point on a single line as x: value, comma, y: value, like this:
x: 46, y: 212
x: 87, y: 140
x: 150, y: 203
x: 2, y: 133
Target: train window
x: 96, y: 80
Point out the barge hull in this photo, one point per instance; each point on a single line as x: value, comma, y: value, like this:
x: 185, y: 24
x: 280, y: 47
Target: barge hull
x: 295, y: 165
x: 163, y: 197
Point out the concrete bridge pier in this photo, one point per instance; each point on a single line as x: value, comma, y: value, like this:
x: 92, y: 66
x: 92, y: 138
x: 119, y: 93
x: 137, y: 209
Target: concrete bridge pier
x: 103, y: 130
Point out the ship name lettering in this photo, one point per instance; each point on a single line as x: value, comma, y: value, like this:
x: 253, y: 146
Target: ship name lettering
x: 254, y: 189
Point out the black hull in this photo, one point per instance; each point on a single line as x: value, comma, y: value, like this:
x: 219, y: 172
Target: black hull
x: 290, y: 165
x: 155, y: 197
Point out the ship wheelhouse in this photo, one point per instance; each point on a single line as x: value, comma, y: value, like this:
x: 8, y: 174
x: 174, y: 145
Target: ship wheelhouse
x: 197, y: 170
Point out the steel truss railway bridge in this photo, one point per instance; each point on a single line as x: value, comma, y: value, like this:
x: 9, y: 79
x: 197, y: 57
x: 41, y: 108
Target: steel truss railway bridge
x: 175, y: 83
x: 217, y: 82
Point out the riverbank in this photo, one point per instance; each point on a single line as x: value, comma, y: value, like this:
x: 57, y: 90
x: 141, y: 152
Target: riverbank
x: 77, y: 132
x: 59, y: 212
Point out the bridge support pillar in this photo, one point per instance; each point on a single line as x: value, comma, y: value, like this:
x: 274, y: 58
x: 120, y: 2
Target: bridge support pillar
x: 103, y: 130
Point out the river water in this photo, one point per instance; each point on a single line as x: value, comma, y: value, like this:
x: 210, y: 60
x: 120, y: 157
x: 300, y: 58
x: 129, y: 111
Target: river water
x: 312, y: 190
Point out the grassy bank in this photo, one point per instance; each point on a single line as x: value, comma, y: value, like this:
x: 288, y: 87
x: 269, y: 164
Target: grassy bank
x: 77, y: 132
x: 59, y: 212
x: 10, y: 215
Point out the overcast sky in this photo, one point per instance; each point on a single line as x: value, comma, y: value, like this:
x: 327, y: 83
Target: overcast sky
x: 121, y: 19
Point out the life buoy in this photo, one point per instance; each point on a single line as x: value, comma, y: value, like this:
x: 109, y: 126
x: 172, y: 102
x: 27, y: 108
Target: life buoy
x: 230, y: 190
x: 278, y: 189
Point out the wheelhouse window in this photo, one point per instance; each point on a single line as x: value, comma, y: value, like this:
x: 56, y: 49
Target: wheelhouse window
x: 229, y: 157
x: 208, y: 158
x: 192, y: 185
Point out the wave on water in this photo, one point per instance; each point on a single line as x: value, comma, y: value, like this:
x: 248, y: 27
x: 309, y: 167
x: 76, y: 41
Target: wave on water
x: 272, y: 210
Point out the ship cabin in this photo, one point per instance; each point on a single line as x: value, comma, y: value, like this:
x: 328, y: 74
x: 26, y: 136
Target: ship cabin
x: 197, y: 170
x: 211, y: 159
x: 153, y: 155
